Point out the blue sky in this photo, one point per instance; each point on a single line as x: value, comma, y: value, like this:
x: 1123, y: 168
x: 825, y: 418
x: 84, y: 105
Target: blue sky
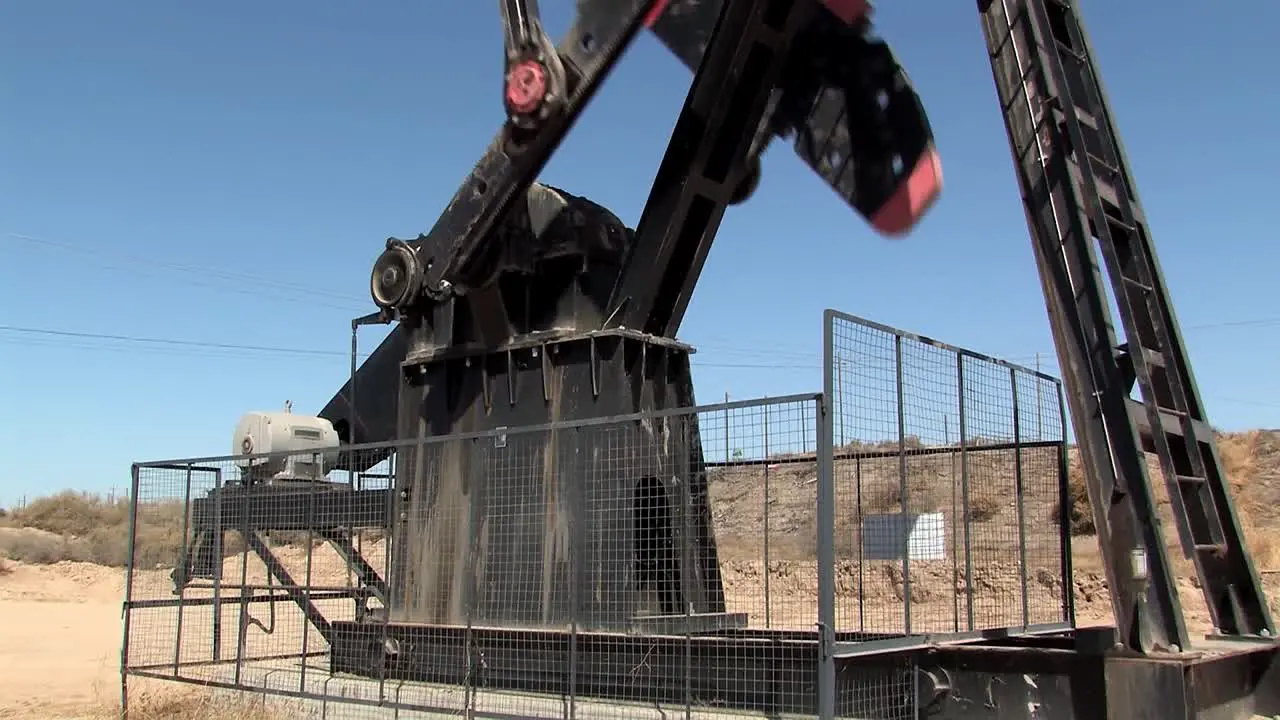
x: 227, y: 173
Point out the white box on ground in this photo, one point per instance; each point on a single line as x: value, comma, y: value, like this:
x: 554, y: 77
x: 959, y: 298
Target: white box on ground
x: 920, y: 536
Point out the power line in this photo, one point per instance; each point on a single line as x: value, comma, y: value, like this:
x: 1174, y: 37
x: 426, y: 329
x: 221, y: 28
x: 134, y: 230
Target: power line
x: 166, y: 341
x: 202, y: 270
x: 176, y: 342
x: 205, y: 273
x: 204, y: 276
x: 161, y: 344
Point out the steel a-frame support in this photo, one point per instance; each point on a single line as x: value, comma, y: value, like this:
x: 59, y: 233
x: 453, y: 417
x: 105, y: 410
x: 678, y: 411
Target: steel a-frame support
x: 1081, y: 202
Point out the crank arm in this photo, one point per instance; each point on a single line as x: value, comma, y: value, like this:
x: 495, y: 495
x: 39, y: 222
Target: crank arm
x: 436, y: 264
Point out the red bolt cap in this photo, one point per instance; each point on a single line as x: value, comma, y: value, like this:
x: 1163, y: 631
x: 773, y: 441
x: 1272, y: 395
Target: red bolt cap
x: 526, y: 86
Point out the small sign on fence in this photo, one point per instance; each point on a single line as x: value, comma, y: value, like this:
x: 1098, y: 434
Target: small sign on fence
x: 893, y: 535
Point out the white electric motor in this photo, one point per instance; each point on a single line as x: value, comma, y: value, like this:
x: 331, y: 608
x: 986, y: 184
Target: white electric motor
x: 311, y: 444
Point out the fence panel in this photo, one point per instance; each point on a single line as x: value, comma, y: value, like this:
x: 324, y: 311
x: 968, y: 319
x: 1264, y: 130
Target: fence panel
x: 632, y: 566
x: 674, y: 561
x: 948, y: 469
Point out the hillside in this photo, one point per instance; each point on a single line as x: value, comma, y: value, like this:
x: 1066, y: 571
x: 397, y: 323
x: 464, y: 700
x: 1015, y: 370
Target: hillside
x: 777, y: 502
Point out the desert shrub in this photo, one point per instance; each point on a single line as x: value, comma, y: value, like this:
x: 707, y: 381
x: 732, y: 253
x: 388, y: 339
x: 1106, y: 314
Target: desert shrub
x: 72, y: 513
x: 37, y: 547
x: 984, y: 507
x: 1079, y: 511
x: 1240, y: 453
x: 89, y: 528
x: 922, y: 496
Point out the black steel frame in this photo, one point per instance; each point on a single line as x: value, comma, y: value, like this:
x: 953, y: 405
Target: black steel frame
x: 1081, y: 202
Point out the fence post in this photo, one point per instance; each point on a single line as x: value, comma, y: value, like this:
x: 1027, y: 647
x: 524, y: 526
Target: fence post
x: 862, y: 551
x: 904, y: 500
x: 1064, y: 516
x: 182, y: 558
x: 955, y: 533
x: 964, y: 493
x: 218, y: 550
x: 1021, y: 500
x: 728, y: 454
x: 826, y: 532
x: 126, y: 609
x: 688, y: 557
x: 768, y: 615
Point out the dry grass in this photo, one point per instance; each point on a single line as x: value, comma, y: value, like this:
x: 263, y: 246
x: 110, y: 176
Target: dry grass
x: 90, y: 528
x: 1243, y: 459
x: 1251, y: 462
x: 1080, y: 513
x: 984, y: 507
x: 179, y: 704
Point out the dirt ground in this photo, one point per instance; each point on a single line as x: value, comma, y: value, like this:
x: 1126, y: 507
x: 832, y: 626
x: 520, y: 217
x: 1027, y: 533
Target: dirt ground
x: 60, y: 631
x: 60, y: 624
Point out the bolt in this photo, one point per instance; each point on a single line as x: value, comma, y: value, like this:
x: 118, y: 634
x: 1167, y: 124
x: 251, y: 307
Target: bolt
x: 526, y: 86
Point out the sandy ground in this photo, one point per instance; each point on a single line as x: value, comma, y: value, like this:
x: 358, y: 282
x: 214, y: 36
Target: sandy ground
x: 60, y: 625
x: 60, y: 631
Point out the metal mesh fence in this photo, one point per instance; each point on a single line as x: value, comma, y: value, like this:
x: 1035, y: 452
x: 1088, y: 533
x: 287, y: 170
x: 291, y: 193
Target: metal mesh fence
x: 634, y: 566
x: 760, y: 558
x: 949, y: 474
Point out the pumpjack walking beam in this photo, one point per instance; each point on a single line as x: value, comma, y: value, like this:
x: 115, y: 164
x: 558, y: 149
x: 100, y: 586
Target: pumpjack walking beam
x: 1080, y: 199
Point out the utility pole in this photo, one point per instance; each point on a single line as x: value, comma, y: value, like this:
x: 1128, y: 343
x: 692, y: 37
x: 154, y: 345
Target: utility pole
x: 1039, y: 418
x: 727, y: 456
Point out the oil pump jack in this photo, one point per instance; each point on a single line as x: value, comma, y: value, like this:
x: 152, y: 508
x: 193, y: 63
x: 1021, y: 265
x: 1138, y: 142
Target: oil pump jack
x: 526, y: 305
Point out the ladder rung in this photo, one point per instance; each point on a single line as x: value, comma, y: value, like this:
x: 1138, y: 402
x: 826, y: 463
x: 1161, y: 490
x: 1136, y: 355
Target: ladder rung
x: 1191, y: 480
x: 1086, y: 118
x: 1115, y: 223
x: 1138, y: 284
x: 1153, y: 357
x: 1073, y: 54
x: 1215, y: 548
x: 1100, y: 164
